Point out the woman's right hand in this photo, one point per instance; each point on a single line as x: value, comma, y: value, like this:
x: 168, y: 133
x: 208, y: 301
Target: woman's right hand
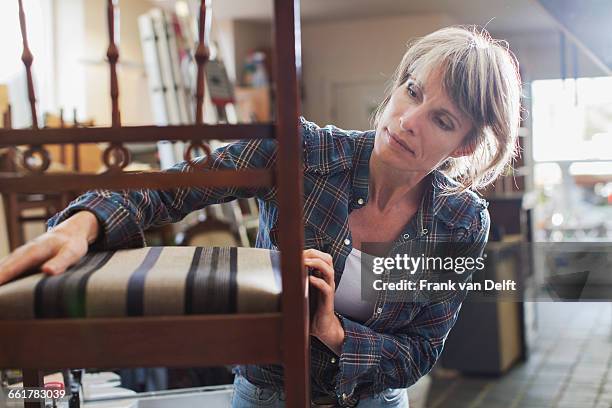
x: 56, y: 250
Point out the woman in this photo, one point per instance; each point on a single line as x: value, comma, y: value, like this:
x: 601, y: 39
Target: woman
x: 447, y: 125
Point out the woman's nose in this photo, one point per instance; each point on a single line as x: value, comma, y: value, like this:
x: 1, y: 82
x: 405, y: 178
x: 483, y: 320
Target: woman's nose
x: 410, y: 120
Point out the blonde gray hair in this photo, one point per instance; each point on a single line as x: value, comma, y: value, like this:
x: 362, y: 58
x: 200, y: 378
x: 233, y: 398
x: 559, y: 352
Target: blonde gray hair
x: 481, y: 76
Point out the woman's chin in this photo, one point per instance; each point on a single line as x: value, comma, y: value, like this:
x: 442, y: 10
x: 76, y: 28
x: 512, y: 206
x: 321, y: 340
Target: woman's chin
x: 401, y: 163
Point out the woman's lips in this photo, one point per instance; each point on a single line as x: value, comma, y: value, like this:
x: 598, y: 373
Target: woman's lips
x: 399, y: 142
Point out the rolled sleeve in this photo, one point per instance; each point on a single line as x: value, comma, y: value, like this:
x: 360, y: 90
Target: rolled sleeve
x: 118, y: 228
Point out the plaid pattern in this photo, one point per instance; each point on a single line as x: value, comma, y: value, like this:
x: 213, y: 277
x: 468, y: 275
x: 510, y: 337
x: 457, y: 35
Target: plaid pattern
x: 402, y: 340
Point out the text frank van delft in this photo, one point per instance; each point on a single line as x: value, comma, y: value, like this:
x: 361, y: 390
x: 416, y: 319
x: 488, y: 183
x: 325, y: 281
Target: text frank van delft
x: 411, y: 265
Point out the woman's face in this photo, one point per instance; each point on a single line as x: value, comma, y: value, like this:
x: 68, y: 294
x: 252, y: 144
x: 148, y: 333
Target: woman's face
x: 420, y: 127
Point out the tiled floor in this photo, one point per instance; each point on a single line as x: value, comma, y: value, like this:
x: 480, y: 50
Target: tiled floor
x: 570, y: 366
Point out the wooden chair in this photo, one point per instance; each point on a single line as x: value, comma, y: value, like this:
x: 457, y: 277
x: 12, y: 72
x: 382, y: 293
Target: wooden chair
x: 16, y: 203
x: 41, y: 344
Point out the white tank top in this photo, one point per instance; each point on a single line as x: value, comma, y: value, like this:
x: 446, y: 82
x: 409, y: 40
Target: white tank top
x: 348, y: 300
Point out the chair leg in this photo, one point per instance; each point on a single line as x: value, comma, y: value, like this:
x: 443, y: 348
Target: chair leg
x: 33, y: 378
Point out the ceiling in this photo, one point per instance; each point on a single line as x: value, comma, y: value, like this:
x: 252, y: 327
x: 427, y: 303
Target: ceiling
x: 585, y: 18
x: 588, y: 23
x: 506, y: 16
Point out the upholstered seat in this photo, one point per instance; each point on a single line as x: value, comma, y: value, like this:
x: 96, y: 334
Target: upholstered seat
x: 152, y: 281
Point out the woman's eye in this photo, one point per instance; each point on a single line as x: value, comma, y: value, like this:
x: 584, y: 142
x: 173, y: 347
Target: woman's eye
x: 411, y: 91
x: 443, y: 125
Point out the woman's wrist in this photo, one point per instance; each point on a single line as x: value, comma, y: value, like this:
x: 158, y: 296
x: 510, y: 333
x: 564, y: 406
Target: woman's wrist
x: 334, y: 338
x: 83, y: 223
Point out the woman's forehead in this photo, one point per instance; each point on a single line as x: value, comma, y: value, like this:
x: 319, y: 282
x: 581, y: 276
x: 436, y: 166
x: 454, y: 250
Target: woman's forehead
x: 431, y: 84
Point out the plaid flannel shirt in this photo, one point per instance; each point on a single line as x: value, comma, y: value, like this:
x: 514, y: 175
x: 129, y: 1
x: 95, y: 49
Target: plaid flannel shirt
x: 402, y: 340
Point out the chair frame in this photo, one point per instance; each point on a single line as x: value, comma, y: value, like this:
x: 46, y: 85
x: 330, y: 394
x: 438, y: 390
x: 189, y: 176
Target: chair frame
x: 180, y: 341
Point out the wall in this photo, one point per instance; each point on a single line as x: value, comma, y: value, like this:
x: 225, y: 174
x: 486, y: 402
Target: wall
x: 134, y: 101
x: 12, y: 71
x: 539, y: 56
x: 340, y: 59
x: 357, y: 55
x: 350, y: 62
x: 69, y: 45
x: 223, y: 32
x: 249, y: 36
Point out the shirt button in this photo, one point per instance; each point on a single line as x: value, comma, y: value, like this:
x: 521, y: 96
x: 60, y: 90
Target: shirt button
x: 360, y: 201
x: 347, y: 242
x: 406, y: 236
x: 425, y: 231
x: 344, y: 396
x: 333, y: 360
x: 379, y: 310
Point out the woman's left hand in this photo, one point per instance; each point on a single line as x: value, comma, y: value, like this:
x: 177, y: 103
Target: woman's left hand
x: 324, y: 325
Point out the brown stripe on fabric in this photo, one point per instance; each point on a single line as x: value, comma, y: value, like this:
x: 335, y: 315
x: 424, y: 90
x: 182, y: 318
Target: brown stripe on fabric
x: 214, y: 288
x: 72, y: 302
x: 190, y: 282
x: 211, y: 283
x: 201, y: 286
x: 257, y: 288
x: 49, y: 291
x: 233, y: 280
x: 135, y: 288
x: 17, y: 300
x: 106, y: 291
x: 164, y: 286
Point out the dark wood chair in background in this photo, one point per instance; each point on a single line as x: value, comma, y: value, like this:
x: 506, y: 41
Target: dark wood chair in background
x: 23, y: 208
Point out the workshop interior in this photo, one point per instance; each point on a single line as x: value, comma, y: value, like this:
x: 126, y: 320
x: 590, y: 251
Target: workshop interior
x: 111, y: 92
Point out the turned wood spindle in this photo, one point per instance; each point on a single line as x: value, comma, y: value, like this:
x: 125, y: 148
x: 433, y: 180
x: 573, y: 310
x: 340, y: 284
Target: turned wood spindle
x: 11, y: 158
x: 201, y: 57
x: 113, y: 56
x: 27, y: 59
x: 63, y: 146
x: 76, y: 163
x: 7, y: 117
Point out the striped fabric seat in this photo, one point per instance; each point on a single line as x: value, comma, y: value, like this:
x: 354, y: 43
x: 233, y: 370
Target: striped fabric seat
x: 152, y: 281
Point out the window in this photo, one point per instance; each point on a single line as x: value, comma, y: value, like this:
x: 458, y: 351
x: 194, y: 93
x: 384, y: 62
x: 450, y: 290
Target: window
x: 12, y: 71
x: 572, y: 119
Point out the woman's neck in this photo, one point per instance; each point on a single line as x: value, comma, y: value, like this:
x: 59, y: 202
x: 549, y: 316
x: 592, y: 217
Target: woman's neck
x: 391, y: 188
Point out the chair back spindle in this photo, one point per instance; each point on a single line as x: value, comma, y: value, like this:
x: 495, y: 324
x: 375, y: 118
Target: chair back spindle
x: 8, y: 117
x: 201, y: 56
x: 116, y: 157
x: 27, y: 59
x: 113, y: 57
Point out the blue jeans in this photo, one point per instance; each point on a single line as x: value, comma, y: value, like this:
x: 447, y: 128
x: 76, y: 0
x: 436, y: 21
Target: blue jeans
x: 247, y: 395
